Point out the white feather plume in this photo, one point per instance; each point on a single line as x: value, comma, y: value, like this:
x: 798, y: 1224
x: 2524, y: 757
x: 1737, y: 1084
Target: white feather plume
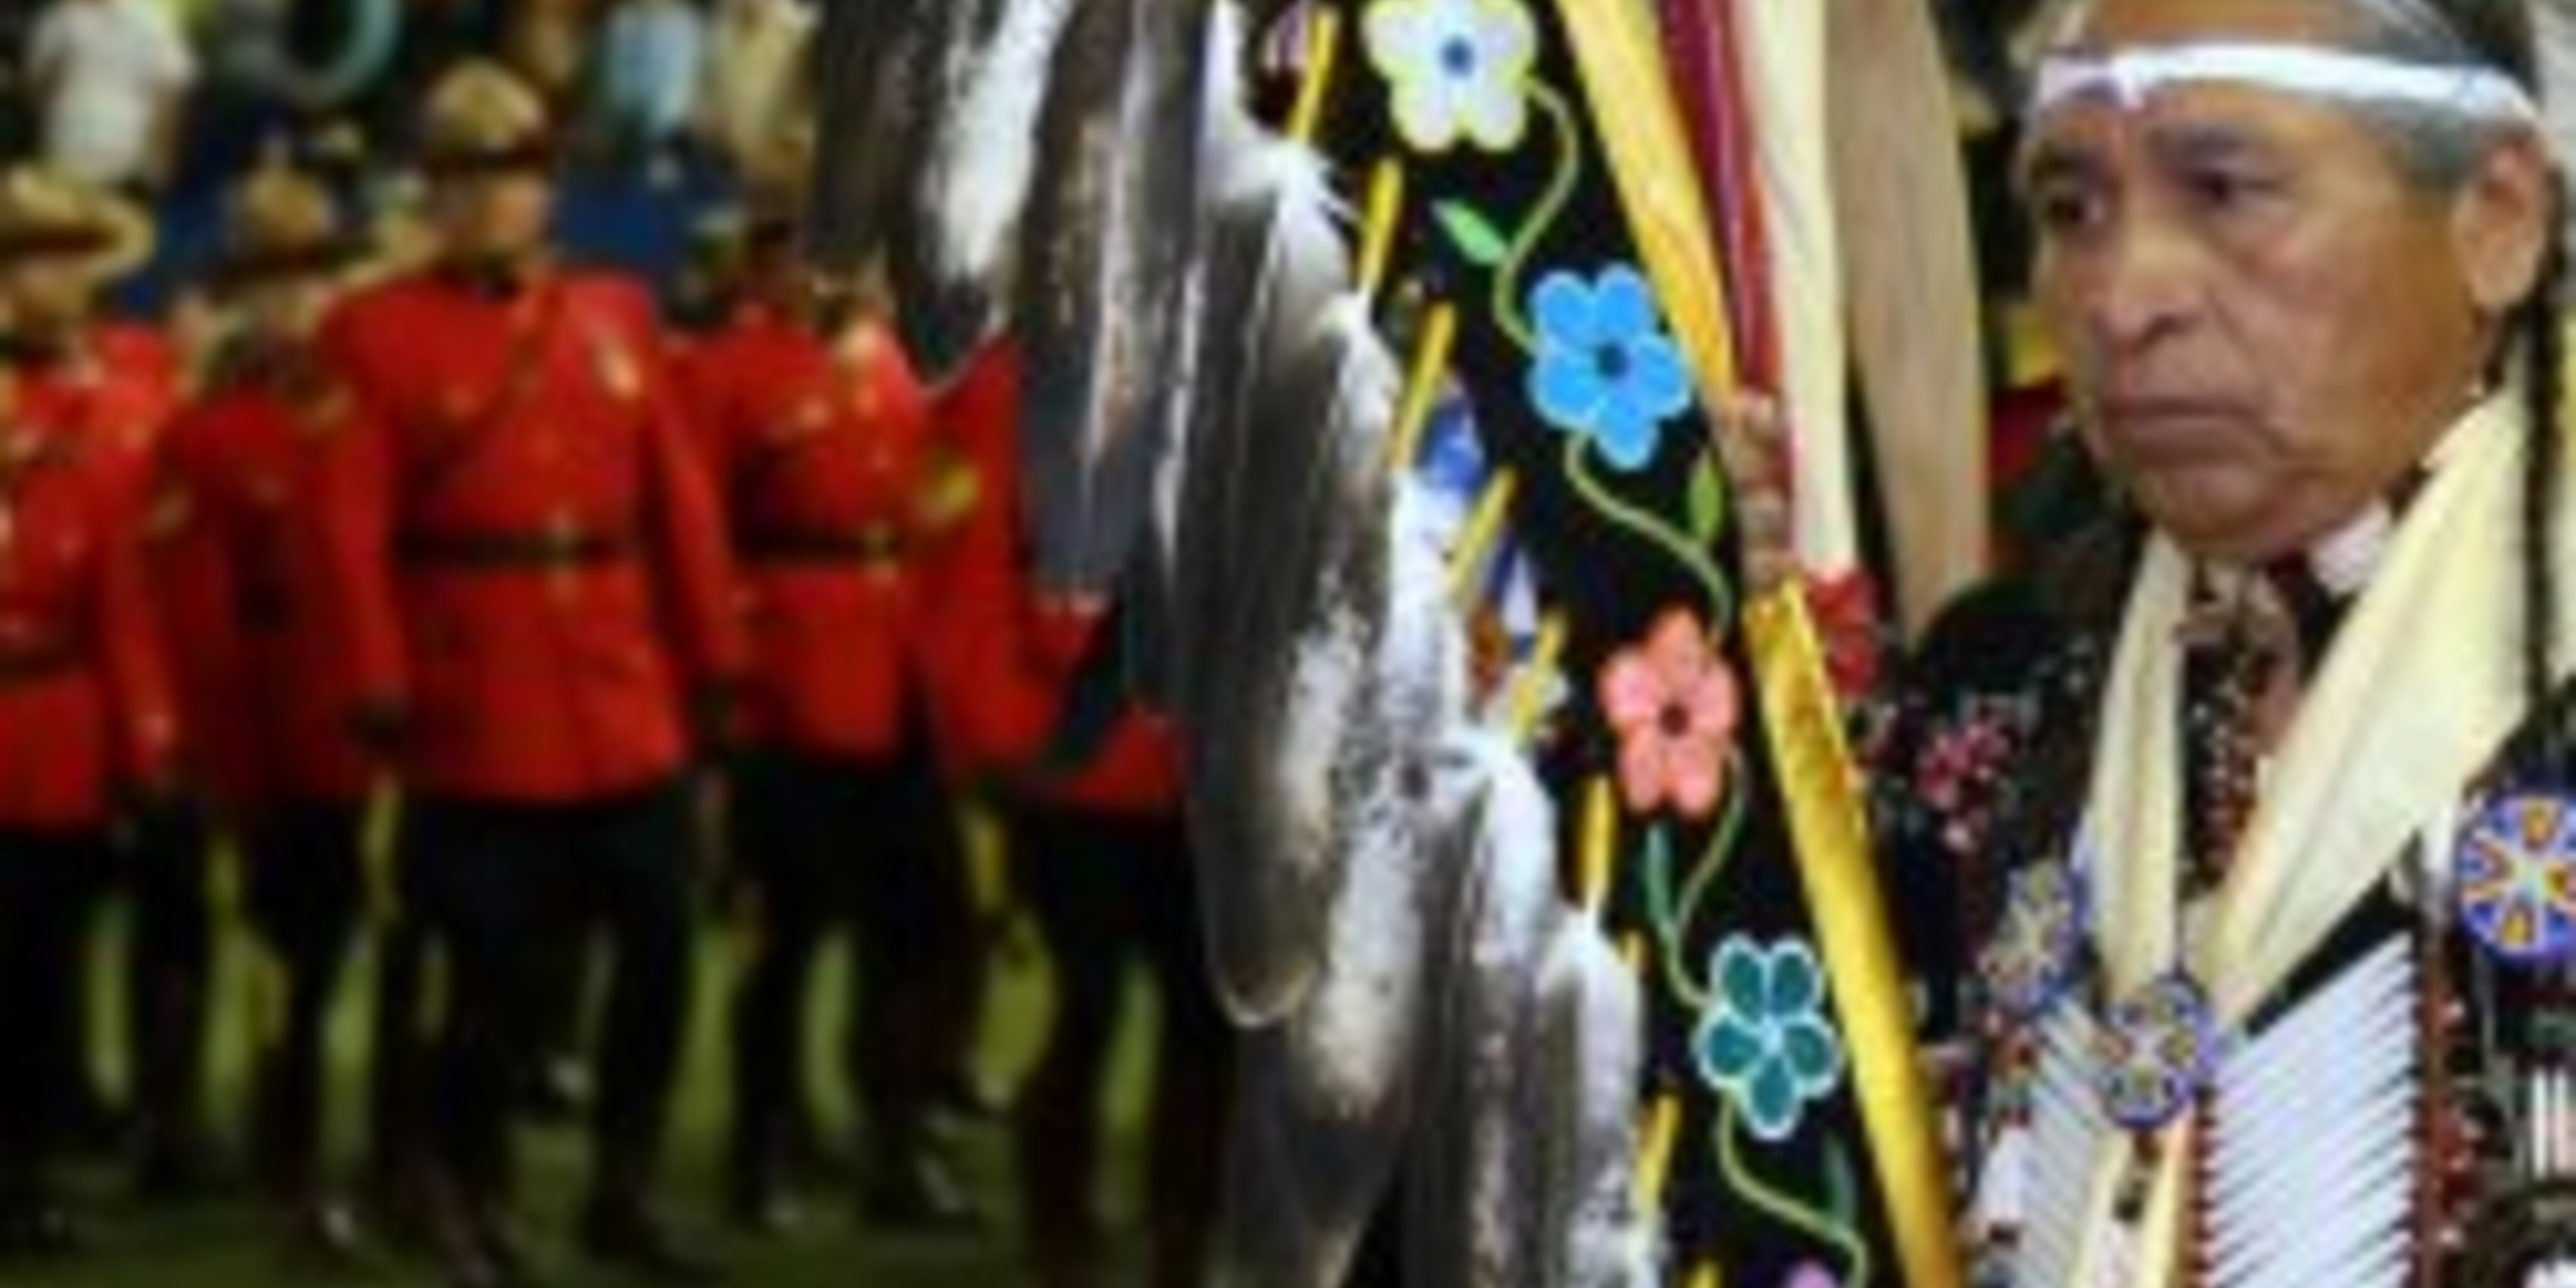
x: 1594, y: 1028
x: 982, y: 162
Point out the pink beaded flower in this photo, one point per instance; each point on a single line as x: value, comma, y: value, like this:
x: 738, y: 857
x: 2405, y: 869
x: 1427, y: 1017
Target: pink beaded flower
x: 1675, y: 706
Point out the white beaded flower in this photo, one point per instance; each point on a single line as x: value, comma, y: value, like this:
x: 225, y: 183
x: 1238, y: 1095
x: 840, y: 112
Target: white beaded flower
x: 1457, y: 68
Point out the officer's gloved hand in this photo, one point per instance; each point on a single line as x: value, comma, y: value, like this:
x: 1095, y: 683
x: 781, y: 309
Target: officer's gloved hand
x: 718, y: 868
x: 153, y: 809
x: 711, y: 721
x: 381, y: 725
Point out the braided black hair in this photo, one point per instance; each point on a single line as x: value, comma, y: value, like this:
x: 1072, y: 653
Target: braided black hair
x: 2543, y: 461
x: 2502, y: 34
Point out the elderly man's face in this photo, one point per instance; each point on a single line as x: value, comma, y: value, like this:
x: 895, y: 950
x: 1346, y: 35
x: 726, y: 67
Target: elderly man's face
x: 2267, y: 326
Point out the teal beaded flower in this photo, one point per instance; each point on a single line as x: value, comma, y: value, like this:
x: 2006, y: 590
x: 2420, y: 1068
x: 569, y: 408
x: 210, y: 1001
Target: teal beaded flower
x: 1763, y: 1042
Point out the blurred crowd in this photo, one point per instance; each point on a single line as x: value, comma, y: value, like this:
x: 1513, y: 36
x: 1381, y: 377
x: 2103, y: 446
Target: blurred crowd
x: 412, y: 581
x: 152, y: 95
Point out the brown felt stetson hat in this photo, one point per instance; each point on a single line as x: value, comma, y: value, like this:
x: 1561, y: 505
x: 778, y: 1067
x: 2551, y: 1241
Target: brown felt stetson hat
x: 480, y: 118
x: 45, y: 214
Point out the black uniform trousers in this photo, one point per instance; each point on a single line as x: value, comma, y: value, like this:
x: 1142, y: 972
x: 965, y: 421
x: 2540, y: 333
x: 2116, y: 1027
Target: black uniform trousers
x: 306, y: 896
x: 48, y: 884
x: 485, y: 880
x: 821, y: 842
x: 166, y: 854
x: 1110, y: 891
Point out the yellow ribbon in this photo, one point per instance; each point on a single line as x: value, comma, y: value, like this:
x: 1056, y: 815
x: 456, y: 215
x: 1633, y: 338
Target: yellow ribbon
x: 1830, y: 832
x: 1619, y: 56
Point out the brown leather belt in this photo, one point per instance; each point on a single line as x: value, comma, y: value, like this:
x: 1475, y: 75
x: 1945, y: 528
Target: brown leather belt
x: 515, y: 551
x: 35, y: 662
x: 863, y: 547
x: 265, y: 610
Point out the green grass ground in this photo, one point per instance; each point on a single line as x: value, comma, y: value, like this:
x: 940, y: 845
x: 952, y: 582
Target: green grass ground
x: 227, y: 1243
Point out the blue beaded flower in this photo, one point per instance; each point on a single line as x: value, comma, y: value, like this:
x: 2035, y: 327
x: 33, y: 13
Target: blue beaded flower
x: 1605, y: 368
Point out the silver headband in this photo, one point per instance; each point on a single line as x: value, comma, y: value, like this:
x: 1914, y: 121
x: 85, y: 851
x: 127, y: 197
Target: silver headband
x: 2130, y: 77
